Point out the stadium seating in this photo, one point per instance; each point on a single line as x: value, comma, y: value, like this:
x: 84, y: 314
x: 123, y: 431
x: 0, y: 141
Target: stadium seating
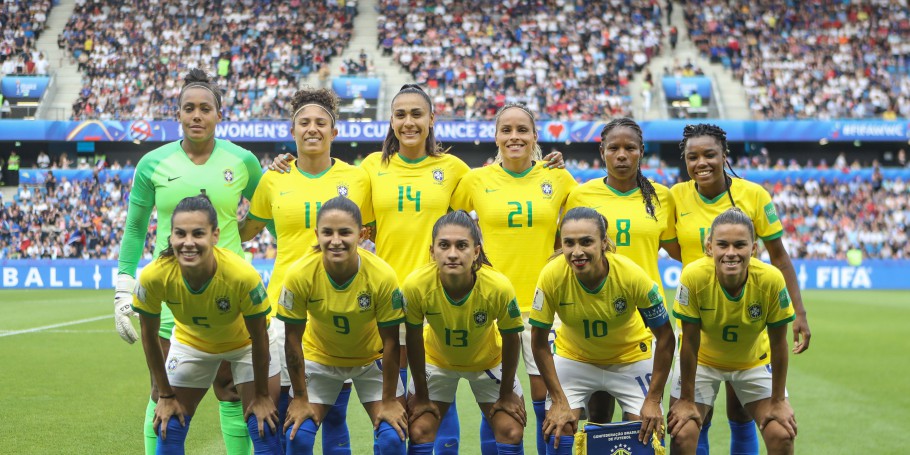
x: 134, y: 54
x: 812, y: 60
x: 564, y: 60
x: 21, y: 24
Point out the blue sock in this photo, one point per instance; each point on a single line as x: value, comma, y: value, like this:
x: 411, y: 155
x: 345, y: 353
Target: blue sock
x: 176, y: 437
x: 270, y: 444
x: 336, y: 440
x: 283, y: 401
x: 488, y: 445
x: 510, y: 449
x: 703, y: 448
x: 565, y: 445
x: 421, y: 449
x: 304, y: 441
x: 403, y: 372
x: 540, y: 413
x: 388, y: 441
x: 743, y: 438
x: 449, y: 433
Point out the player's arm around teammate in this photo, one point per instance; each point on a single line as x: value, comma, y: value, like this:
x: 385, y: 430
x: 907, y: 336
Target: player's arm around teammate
x: 221, y: 309
x: 459, y: 295
x: 726, y: 301
x: 602, y: 344
x: 342, y: 307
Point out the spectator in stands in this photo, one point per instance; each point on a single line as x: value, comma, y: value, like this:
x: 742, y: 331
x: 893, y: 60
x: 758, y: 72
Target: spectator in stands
x: 43, y: 161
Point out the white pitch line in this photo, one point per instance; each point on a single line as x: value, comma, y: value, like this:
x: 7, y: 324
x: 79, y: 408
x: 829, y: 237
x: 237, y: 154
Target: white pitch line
x: 53, y: 326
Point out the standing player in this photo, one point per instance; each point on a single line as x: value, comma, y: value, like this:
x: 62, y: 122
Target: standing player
x: 518, y: 201
x: 291, y: 200
x: 698, y: 202
x: 639, y: 212
x: 221, y: 312
x: 726, y: 302
x: 460, y: 296
x: 163, y: 177
x: 342, y: 309
x: 603, y: 343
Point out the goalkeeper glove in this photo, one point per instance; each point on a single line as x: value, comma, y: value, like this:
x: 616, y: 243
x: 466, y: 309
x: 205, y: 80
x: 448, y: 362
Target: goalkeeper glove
x: 123, y: 299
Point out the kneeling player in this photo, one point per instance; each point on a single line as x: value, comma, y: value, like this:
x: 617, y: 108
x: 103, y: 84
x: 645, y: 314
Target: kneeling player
x: 460, y: 296
x: 725, y: 302
x: 342, y: 308
x: 602, y: 344
x: 221, y: 311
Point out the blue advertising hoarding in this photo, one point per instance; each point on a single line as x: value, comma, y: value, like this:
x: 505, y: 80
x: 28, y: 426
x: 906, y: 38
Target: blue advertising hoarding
x: 349, y: 87
x: 455, y: 131
x: 20, y: 88
x: 102, y: 274
x: 679, y: 88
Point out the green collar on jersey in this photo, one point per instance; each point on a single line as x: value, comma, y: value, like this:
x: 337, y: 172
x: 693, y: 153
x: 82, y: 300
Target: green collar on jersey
x: 410, y: 161
x: 620, y: 193
x: 521, y: 174
x: 320, y: 174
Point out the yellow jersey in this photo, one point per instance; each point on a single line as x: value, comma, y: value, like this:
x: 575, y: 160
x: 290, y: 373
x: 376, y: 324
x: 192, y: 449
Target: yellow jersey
x: 408, y: 197
x: 209, y: 319
x: 599, y: 326
x: 636, y: 234
x: 293, y: 199
x: 732, y: 327
x: 519, y: 216
x: 342, y: 319
x: 461, y: 334
x: 695, y: 213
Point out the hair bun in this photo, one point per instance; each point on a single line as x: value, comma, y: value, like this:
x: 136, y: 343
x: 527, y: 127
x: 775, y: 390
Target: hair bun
x: 196, y: 75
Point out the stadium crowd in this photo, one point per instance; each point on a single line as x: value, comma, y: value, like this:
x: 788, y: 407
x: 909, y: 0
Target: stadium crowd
x: 85, y: 219
x: 565, y: 60
x: 21, y: 24
x: 132, y: 53
x: 811, y: 60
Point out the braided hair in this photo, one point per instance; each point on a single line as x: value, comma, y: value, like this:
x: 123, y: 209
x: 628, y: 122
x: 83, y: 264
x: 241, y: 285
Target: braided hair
x: 718, y: 133
x: 647, y: 189
x: 391, y: 145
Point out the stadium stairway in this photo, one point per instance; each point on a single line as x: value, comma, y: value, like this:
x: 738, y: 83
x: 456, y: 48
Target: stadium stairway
x: 731, y: 92
x: 366, y: 37
x: 68, y: 79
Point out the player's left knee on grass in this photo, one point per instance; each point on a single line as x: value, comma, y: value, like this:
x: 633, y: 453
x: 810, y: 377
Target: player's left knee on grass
x: 777, y: 439
x: 387, y: 440
x: 269, y: 443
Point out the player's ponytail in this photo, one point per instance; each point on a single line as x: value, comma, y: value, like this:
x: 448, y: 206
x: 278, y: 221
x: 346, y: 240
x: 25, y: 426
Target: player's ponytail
x: 718, y: 133
x: 198, y: 203
x: 391, y: 145
x: 196, y: 78
x: 463, y: 219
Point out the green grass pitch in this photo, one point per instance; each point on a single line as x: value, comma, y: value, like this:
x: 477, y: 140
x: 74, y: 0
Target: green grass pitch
x: 70, y: 385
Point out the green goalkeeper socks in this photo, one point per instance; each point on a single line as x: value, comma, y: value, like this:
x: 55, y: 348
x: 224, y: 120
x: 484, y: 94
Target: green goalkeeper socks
x: 148, y: 430
x: 233, y: 428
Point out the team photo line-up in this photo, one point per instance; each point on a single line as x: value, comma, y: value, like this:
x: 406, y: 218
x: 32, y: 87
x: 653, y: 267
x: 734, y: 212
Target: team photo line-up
x: 414, y: 260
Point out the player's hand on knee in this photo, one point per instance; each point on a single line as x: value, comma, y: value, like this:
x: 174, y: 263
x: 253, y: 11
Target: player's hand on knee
x: 166, y: 409
x: 512, y: 405
x: 123, y: 309
x: 281, y: 163
x: 299, y: 410
x: 560, y: 421
x: 681, y: 412
x: 265, y: 411
x: 782, y: 413
x: 393, y: 413
x: 420, y: 406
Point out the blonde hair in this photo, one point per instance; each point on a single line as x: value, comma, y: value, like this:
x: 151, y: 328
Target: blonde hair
x: 537, y: 153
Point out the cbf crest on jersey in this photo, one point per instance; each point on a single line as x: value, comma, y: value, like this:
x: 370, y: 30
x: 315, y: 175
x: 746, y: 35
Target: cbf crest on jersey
x: 438, y: 176
x: 229, y: 175
x: 480, y: 318
x: 546, y: 188
x: 364, y: 301
x: 619, y: 305
x: 342, y: 189
x: 754, y: 311
x: 223, y: 303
